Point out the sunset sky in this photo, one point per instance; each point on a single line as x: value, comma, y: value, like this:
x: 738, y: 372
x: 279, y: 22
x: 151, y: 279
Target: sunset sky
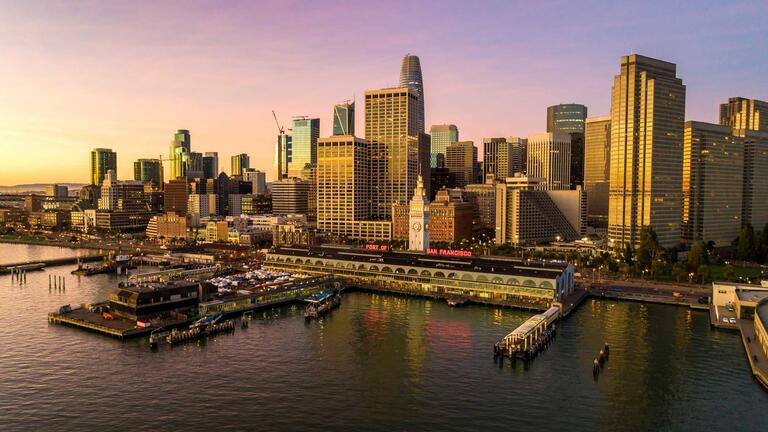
x: 124, y: 75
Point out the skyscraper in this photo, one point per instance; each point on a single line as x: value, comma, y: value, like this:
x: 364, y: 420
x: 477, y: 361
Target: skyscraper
x: 549, y: 158
x: 712, y: 194
x: 210, y: 165
x: 410, y: 77
x: 181, y: 146
x: 395, y: 146
x: 647, y: 116
x: 102, y: 160
x: 239, y: 163
x: 344, y: 118
x: 148, y: 171
x: 461, y: 159
x: 597, y: 158
x: 755, y: 188
x: 303, y: 152
x: 283, y: 156
x: 441, y: 137
x: 570, y: 118
x: 258, y: 180
x: 498, y: 159
x: 195, y: 166
x: 743, y: 113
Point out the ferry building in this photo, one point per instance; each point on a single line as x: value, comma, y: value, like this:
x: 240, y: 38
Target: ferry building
x: 437, y: 273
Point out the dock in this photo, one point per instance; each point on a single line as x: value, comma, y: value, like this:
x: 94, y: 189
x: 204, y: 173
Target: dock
x: 88, y: 317
x: 39, y: 265
x: 530, y: 337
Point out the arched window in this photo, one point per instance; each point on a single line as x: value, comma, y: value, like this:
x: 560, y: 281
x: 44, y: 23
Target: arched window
x: 373, y: 268
x: 412, y: 272
x: 439, y: 274
x: 399, y: 270
x: 497, y: 280
x: 467, y: 277
x: 546, y: 284
x: 529, y: 283
x: 386, y: 270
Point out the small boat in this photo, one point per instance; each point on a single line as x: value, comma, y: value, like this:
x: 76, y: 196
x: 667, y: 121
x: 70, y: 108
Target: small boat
x: 456, y: 301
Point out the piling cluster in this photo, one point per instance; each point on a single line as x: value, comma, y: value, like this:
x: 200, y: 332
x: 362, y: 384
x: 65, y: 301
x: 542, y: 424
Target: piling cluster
x: 19, y: 276
x: 57, y: 283
x: 599, y: 362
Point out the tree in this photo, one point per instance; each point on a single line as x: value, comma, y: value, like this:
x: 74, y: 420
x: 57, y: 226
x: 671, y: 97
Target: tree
x: 697, y: 256
x: 679, y: 272
x: 627, y: 255
x: 729, y: 273
x: 648, y: 251
x: 745, y: 248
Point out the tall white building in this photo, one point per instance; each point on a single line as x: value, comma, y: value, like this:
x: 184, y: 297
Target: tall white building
x: 258, y: 180
x: 418, y: 238
x: 549, y: 157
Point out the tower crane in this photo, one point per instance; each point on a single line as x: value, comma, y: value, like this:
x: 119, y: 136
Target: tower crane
x: 280, y: 143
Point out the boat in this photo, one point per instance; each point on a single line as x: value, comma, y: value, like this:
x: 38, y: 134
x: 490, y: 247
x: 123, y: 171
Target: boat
x: 323, y: 305
x: 454, y: 301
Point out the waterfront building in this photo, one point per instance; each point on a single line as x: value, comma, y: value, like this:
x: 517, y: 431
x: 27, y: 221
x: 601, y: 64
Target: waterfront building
x: 176, y: 196
x: 148, y: 171
x: 528, y: 213
x: 303, y: 151
x: 418, y: 222
x: 121, y: 195
x: 440, y: 273
x: 597, y: 158
x: 450, y: 217
x: 571, y: 119
x: 755, y: 188
x: 202, y: 205
x: 712, y: 194
x: 167, y: 226
x: 89, y: 196
x: 33, y: 203
x: 549, y: 158
x: 441, y: 136
x: 411, y: 78
x: 49, y: 219
x: 482, y: 198
x: 240, y: 162
x: 56, y: 191
x: 461, y: 161
x: 258, y: 180
x: 102, y: 160
x: 647, y: 116
x: 398, y: 151
x: 743, y: 113
x: 181, y: 146
x: 210, y: 165
x: 292, y: 234
x: 290, y: 196
x: 344, y: 118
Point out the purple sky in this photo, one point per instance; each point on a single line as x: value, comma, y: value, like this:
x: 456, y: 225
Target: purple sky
x: 125, y: 75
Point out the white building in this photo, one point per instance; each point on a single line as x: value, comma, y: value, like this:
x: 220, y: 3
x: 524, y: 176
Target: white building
x: 549, y: 157
x: 418, y: 227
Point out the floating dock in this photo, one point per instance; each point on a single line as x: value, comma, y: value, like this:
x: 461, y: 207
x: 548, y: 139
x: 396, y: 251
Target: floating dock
x: 39, y: 265
x: 91, y: 318
x: 530, y: 338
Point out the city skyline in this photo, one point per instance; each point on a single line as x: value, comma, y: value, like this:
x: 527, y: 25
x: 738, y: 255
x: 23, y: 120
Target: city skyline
x: 132, y: 96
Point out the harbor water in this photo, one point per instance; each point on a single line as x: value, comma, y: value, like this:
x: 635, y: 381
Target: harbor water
x: 377, y: 363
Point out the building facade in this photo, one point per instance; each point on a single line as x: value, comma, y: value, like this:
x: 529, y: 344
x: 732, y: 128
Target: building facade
x: 441, y: 136
x: 290, y: 196
x: 148, y: 171
x: 647, y: 116
x: 344, y: 118
x: 181, y: 147
x: 743, y: 113
x: 597, y: 158
x: 240, y: 162
x: 549, y: 158
x: 102, y: 160
x: 303, y: 151
x: 411, y: 78
x: 461, y: 161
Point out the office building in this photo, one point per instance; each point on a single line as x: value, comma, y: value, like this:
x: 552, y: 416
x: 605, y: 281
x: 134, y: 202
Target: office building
x: 195, y: 166
x: 461, y: 161
x: 482, y: 198
x: 258, y: 180
x: 755, y: 186
x: 290, y: 196
x: 57, y: 191
x: 441, y: 136
x: 527, y: 213
x: 499, y: 158
x: 210, y: 165
x: 148, y: 171
x: 570, y: 118
x: 303, y: 149
x: 411, y: 78
x: 712, y: 194
x: 743, y: 113
x: 344, y: 118
x: 597, y: 161
x: 251, y: 204
x: 240, y: 162
x: 176, y: 196
x: 202, y: 205
x: 102, y: 160
x: 167, y: 226
x: 647, y: 116
x: 549, y: 158
x: 396, y: 147
x: 283, y: 155
x: 121, y: 195
x: 181, y: 147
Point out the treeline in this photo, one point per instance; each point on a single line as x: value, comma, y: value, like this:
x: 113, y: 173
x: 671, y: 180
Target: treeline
x: 752, y: 245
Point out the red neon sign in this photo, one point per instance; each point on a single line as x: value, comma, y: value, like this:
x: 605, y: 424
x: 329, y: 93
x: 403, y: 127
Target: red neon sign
x: 449, y: 252
x: 375, y: 247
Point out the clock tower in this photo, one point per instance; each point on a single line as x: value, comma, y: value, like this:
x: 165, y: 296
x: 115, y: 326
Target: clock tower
x: 418, y: 238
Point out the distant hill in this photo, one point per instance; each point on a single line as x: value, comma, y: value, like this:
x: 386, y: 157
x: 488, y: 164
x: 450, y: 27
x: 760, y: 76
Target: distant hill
x: 37, y: 187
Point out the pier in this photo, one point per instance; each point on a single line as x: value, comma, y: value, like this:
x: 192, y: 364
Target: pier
x: 532, y: 336
x: 39, y: 265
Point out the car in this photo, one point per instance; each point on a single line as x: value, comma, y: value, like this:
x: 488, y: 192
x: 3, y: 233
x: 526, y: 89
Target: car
x: 725, y: 320
x: 732, y: 320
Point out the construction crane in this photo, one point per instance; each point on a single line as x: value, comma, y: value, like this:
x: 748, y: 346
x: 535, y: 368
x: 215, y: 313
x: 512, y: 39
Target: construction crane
x: 280, y: 143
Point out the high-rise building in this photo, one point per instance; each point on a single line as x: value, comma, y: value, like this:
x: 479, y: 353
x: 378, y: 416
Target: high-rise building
x: 461, y: 160
x: 743, y: 113
x: 597, y: 163
x: 712, y: 194
x: 240, y: 162
x: 121, y: 195
x: 258, y: 180
x: 283, y: 156
x: 519, y: 159
x: 344, y: 118
x: 647, y: 116
x: 210, y: 165
x: 181, y: 146
x: 176, y: 198
x: 570, y: 118
x: 195, y: 166
x: 549, y: 158
x: 202, y: 205
x: 755, y: 188
x: 410, y: 77
x: 303, y: 151
x: 57, y: 191
x: 441, y: 137
x: 102, y: 160
x: 497, y: 158
x: 482, y: 197
x: 290, y: 196
x: 418, y: 219
x: 395, y: 146
x: 148, y: 171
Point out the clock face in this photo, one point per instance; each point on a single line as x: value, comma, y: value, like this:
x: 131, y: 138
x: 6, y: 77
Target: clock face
x: 416, y: 226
